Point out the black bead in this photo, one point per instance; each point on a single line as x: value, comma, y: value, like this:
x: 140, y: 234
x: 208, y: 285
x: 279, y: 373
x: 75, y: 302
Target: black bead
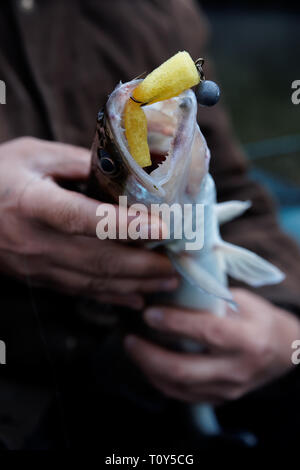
x: 207, y: 93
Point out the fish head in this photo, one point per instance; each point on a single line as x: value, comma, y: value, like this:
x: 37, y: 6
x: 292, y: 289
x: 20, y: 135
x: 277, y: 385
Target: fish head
x: 178, y: 150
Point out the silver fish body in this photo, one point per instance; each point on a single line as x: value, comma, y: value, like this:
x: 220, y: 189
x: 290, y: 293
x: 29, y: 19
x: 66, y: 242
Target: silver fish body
x: 182, y: 177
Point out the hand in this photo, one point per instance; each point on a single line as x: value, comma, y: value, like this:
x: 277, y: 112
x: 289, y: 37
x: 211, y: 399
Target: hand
x: 49, y: 233
x: 244, y: 350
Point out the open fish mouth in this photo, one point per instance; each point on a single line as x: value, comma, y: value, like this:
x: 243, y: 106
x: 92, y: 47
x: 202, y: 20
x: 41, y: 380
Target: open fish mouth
x: 179, y: 166
x: 171, y: 129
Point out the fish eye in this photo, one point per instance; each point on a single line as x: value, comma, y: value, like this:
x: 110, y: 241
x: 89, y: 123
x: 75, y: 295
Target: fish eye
x: 106, y: 163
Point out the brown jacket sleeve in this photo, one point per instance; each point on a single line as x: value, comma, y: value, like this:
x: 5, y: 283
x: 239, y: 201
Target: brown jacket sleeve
x: 257, y: 229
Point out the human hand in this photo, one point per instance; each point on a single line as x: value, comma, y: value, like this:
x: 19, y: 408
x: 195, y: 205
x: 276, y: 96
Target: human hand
x: 49, y: 233
x: 244, y: 350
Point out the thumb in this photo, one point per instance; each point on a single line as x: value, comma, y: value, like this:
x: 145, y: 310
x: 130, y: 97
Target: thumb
x: 68, y: 161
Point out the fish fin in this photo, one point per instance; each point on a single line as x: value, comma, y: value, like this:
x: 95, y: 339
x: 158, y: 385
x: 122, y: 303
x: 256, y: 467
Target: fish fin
x: 229, y: 210
x: 246, y: 266
x: 195, y: 275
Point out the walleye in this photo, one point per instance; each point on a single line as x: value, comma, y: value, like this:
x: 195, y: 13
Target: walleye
x: 179, y: 174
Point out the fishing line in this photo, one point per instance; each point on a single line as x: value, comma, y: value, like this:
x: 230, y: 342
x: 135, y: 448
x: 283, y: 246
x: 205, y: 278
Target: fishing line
x: 55, y: 385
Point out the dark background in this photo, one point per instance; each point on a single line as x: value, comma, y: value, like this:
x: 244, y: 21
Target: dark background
x: 256, y: 49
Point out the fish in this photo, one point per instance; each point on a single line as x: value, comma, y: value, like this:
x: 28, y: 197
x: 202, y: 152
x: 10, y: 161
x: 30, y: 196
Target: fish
x: 179, y: 174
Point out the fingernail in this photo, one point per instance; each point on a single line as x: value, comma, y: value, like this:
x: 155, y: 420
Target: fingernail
x: 153, y: 316
x: 130, y: 341
x: 169, y: 284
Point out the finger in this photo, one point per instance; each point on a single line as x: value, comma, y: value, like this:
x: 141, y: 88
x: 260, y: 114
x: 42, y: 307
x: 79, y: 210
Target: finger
x: 145, y: 286
x: 224, y: 333
x: 74, y: 284
x: 210, y: 392
x: 82, y: 284
x: 71, y: 162
x: 75, y: 214
x: 174, y: 367
x: 109, y: 258
x: 92, y: 285
x: 250, y: 304
x: 64, y: 161
x: 133, y: 301
x: 188, y: 395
